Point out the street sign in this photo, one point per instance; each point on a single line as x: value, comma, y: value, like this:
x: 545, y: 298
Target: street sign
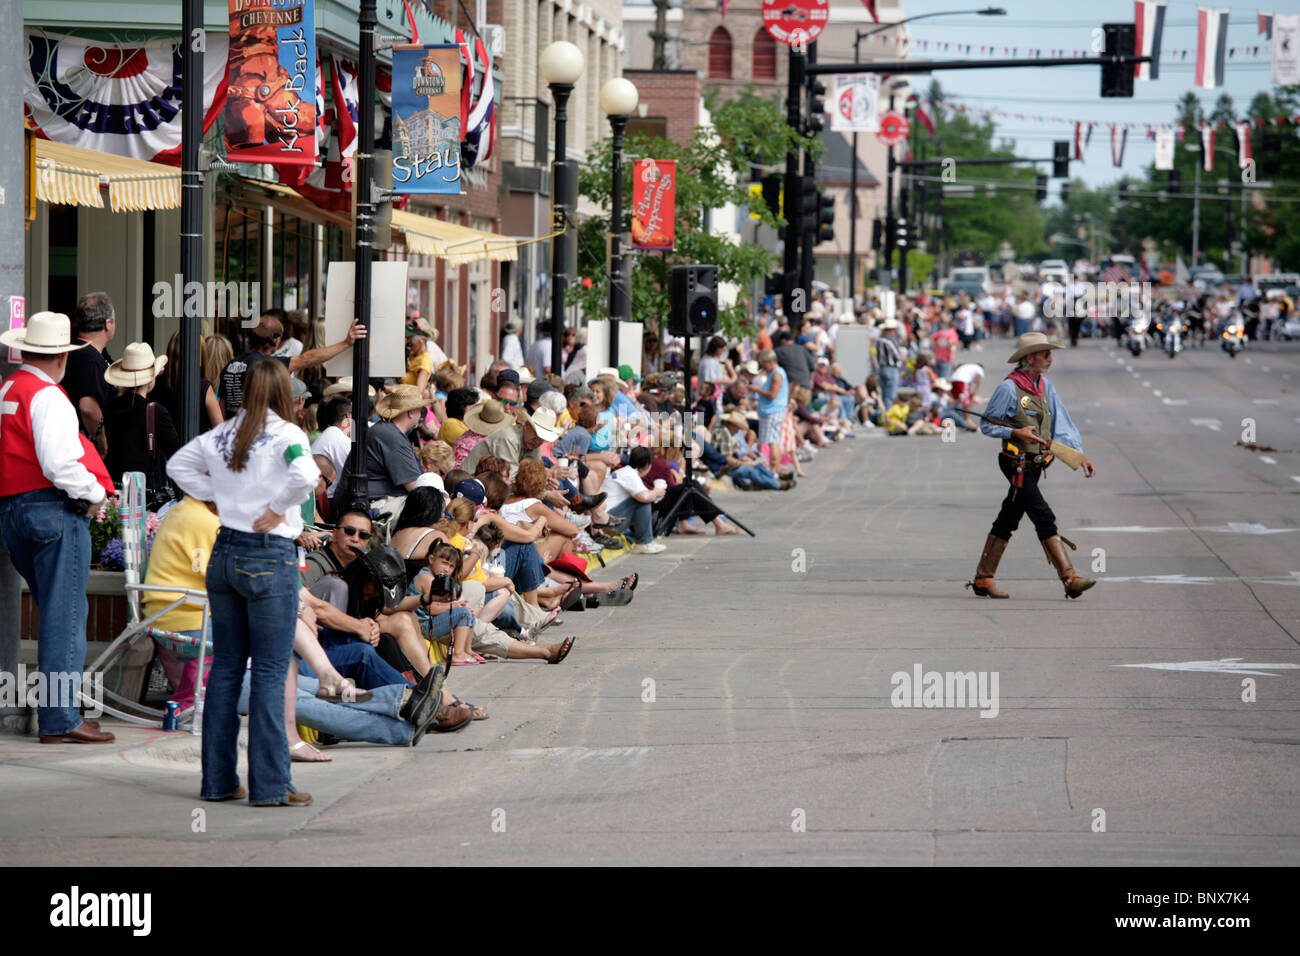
x: 795, y: 22
x: 893, y: 128
x: 856, y: 103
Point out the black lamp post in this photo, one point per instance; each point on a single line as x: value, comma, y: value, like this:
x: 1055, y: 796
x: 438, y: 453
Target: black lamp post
x: 618, y: 98
x: 562, y: 64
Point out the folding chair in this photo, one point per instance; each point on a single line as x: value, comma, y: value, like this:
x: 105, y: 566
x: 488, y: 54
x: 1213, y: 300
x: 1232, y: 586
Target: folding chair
x: 133, y: 539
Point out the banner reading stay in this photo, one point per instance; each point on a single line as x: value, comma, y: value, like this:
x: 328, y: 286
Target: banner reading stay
x: 426, y: 119
x: 271, y: 79
x: 654, y: 203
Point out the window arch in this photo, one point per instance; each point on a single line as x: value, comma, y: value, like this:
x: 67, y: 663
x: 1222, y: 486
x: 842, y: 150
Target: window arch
x: 720, y: 54
x: 764, y: 55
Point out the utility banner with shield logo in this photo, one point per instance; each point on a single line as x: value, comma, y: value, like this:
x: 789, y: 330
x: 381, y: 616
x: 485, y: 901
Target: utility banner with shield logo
x: 271, y: 82
x: 426, y: 119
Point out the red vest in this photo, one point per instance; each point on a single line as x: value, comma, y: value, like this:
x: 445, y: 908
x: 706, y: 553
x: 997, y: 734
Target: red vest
x: 20, y: 470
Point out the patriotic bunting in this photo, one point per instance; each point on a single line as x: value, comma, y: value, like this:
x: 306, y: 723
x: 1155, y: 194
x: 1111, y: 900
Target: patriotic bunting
x: 1265, y: 23
x: 1118, y: 140
x: 1211, y: 46
x: 1150, y: 18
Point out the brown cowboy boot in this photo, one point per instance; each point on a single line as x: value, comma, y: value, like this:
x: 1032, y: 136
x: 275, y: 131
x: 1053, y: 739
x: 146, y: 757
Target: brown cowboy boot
x: 983, y: 585
x: 1059, y: 558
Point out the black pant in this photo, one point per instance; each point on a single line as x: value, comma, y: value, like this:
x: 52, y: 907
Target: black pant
x: 1076, y: 322
x: 702, y: 509
x: 1021, y: 501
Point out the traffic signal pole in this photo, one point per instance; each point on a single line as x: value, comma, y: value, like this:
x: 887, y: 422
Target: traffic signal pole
x: 795, y: 305
x: 807, y: 236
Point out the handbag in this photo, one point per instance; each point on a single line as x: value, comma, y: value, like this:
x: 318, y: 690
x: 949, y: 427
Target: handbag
x: 159, y: 491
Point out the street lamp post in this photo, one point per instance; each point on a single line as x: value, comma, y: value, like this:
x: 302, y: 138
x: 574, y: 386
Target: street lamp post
x: 562, y: 65
x: 618, y: 98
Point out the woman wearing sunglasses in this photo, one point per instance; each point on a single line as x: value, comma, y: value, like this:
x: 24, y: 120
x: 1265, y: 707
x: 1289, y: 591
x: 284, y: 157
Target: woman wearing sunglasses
x: 257, y: 469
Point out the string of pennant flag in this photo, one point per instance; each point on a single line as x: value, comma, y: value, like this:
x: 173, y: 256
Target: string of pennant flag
x: 1148, y: 128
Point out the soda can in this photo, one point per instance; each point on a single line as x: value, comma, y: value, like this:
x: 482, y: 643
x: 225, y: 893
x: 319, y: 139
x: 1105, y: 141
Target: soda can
x: 171, y: 716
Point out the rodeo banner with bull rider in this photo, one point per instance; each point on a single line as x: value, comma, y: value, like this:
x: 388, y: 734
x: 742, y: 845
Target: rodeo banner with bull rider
x: 271, y: 82
x: 426, y: 119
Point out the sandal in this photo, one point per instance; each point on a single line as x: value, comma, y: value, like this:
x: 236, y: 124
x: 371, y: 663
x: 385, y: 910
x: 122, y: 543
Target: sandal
x: 626, y: 586
x: 469, y: 663
x: 689, y: 530
x: 478, y: 712
x: 344, y: 692
x: 315, y: 755
x: 445, y: 725
x: 725, y: 530
x: 565, y: 647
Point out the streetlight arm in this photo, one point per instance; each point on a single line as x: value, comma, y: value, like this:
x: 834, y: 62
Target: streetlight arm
x: 985, y: 12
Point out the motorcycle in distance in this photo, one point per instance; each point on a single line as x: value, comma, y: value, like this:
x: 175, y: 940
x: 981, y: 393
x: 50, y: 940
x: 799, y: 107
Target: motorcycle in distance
x: 1233, y: 338
x: 1135, y: 334
x: 1170, y: 326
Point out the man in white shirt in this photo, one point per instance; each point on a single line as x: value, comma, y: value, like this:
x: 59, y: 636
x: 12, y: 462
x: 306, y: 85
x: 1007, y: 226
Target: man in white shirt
x: 539, y: 353
x: 52, y: 480
x: 333, y: 445
x: 628, y: 497
x: 512, y: 350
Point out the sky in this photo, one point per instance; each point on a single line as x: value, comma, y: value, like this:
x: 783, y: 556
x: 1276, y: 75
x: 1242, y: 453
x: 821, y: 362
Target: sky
x: 1073, y: 92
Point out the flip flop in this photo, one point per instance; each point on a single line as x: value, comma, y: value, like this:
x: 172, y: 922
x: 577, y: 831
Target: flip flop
x: 729, y: 530
x: 634, y: 578
x: 469, y: 663
x: 564, y: 650
x: 452, y: 728
x: 319, y: 758
x: 689, y: 530
x: 475, y: 709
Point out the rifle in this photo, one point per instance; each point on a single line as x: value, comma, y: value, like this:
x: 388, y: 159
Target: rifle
x: 1071, y: 456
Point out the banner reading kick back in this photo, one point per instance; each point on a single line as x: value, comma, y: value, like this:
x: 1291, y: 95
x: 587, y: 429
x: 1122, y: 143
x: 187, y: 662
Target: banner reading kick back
x: 654, y: 203
x: 271, y: 82
x: 426, y: 119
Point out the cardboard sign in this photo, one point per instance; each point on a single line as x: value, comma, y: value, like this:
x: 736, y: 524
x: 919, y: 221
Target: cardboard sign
x: 387, y: 336
x: 426, y: 119
x: 654, y: 203
x: 271, y: 82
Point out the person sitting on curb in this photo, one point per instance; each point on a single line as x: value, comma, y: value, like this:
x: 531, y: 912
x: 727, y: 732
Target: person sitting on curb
x: 629, y: 498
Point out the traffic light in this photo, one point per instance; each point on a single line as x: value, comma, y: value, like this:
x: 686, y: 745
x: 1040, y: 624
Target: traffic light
x: 1123, y: 192
x: 877, y: 234
x: 1061, y: 159
x: 774, y: 285
x: 1042, y: 189
x: 772, y: 192
x: 825, y: 217
x: 807, y: 206
x: 1117, y: 78
x: 816, y: 105
x: 1065, y: 193
x: 900, y: 233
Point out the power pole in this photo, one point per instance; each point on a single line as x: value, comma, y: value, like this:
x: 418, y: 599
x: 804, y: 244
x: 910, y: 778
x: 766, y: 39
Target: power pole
x: 660, y: 36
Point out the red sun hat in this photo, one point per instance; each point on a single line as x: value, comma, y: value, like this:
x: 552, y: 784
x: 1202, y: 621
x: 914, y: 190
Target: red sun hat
x: 570, y: 564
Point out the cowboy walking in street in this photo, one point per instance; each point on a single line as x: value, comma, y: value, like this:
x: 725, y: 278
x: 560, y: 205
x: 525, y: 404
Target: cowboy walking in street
x: 1036, y: 415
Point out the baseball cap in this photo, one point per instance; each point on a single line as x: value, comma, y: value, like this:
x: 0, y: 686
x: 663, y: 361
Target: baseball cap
x: 472, y: 489
x: 507, y: 376
x: 538, y: 388
x: 300, y: 389
x: 625, y: 373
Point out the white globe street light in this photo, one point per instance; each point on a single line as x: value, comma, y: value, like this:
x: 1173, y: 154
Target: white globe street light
x: 618, y: 98
x: 562, y: 65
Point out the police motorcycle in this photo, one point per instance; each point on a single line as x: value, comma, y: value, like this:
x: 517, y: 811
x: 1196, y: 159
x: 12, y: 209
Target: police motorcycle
x: 1233, y: 337
x: 1135, y: 333
x: 1170, y: 327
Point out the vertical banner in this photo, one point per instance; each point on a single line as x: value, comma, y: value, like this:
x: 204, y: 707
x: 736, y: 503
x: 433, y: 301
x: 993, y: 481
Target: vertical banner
x: 654, y: 203
x: 855, y: 103
x: 1286, y: 49
x: 271, y: 82
x: 1164, y: 149
x: 426, y: 119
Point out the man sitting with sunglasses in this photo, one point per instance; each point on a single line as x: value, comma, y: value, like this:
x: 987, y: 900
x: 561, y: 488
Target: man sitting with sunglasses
x: 341, y: 633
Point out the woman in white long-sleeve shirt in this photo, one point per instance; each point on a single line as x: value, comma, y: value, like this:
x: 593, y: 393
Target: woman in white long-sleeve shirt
x: 257, y: 469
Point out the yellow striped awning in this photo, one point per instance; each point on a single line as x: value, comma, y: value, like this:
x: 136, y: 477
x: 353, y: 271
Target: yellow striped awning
x: 71, y: 175
x: 457, y: 245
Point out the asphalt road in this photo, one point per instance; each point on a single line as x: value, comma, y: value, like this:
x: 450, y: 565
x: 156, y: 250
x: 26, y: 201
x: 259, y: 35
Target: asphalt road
x: 739, y: 711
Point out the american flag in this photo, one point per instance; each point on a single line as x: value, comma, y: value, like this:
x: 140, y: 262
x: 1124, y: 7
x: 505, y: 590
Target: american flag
x: 1115, y: 274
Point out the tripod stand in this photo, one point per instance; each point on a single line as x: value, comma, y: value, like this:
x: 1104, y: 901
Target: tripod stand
x: 693, y: 502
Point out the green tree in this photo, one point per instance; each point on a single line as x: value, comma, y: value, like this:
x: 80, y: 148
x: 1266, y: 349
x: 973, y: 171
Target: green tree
x: 713, y: 169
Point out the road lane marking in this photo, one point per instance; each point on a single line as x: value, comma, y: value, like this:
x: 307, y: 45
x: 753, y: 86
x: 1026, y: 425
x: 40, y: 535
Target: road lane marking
x: 1174, y: 401
x: 1156, y: 392
x: 1265, y: 368
x: 1267, y: 401
x: 1226, y: 665
x: 1232, y: 527
x: 1213, y: 424
x: 1268, y: 461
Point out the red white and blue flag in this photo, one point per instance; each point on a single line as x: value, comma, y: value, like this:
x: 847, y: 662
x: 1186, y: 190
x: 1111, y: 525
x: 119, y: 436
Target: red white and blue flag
x: 871, y: 9
x: 1243, y: 144
x: 1150, y: 17
x: 1265, y: 23
x: 1118, y: 140
x: 1211, y: 46
x: 119, y: 98
x: 1207, y: 147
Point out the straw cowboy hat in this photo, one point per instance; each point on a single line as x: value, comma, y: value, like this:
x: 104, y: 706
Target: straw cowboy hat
x: 47, y: 333
x: 942, y: 385
x: 487, y: 417
x: 402, y: 398
x: 1032, y: 342
x: 344, y: 387
x: 736, y: 418
x: 525, y: 375
x: 514, y: 326
x: 136, y: 367
x: 889, y: 324
x: 543, y: 422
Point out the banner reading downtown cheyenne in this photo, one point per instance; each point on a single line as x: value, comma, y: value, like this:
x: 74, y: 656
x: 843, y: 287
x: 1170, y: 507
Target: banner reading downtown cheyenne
x: 426, y: 119
x: 654, y: 203
x: 271, y: 82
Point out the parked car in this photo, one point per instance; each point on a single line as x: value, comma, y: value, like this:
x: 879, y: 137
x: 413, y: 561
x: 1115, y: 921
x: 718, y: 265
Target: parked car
x: 1206, y: 277
x: 972, y: 280
x: 1054, y: 269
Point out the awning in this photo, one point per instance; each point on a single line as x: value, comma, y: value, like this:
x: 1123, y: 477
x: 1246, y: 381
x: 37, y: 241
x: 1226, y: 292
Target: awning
x: 457, y: 245
x: 70, y: 175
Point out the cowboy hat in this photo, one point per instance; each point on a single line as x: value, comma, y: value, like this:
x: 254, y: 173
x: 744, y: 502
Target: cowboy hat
x: 889, y: 324
x: 418, y: 325
x: 942, y: 385
x: 543, y: 422
x: 487, y: 417
x: 514, y: 326
x: 736, y: 418
x: 47, y: 333
x: 344, y: 387
x: 751, y: 367
x: 402, y: 398
x: 136, y: 367
x: 525, y: 375
x: 847, y: 318
x: 1032, y: 342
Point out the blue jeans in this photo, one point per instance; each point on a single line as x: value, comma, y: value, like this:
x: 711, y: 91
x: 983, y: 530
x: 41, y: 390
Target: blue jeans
x: 888, y: 385
x: 640, y: 514
x: 847, y: 405
x: 755, y: 476
x: 943, y: 369
x: 523, y: 565
x: 252, y: 586
x: 376, y: 721
x: 356, y: 660
x: 49, y: 545
x: 506, y: 620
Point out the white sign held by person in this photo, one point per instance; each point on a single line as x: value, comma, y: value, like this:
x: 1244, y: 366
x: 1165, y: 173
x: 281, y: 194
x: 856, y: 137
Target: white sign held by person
x: 1286, y: 49
x: 1164, y: 149
x: 387, y: 335
x: 855, y: 103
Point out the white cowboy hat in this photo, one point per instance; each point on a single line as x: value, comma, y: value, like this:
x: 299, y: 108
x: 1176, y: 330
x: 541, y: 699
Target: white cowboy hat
x: 889, y: 324
x: 525, y: 375
x: 344, y: 387
x: 543, y: 422
x: 47, y: 333
x: 513, y: 326
x: 1032, y: 342
x: 136, y: 367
